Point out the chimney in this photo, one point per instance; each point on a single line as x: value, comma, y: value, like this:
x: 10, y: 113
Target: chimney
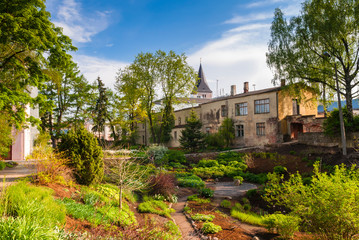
x: 282, y: 82
x: 233, y: 90
x: 246, y: 87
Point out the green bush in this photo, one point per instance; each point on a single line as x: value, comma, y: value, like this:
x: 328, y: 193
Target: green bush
x: 156, y: 207
x: 209, y: 228
x: 202, y: 217
x: 280, y: 169
x: 331, y: 125
x: 260, y: 178
x: 330, y: 200
x: 23, y: 228
x: 214, y: 141
x: 238, y: 178
x: 226, y: 204
x: 284, y: 224
x: 251, y: 193
x: 226, y: 157
x: 34, y: 203
x: 212, y: 172
x: 207, y: 163
x: 2, y: 165
x: 174, y: 156
x: 206, y: 192
x: 86, y: 156
x: 156, y: 153
x: 197, y: 199
x: 190, y: 181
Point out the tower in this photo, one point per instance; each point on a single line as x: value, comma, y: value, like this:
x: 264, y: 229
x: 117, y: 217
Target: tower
x: 202, y: 89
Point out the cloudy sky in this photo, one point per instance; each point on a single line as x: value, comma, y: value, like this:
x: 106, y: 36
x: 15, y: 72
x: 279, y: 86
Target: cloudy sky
x: 229, y: 36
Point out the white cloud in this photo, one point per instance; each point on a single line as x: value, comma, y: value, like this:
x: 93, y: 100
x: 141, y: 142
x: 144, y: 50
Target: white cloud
x: 250, y: 18
x: 93, y: 67
x: 80, y: 27
x: 263, y: 3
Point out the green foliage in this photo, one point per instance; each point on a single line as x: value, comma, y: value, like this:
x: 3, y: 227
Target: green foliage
x: 251, y: 193
x: 174, y: 156
x: 284, y: 224
x: 233, y: 168
x: 192, y: 137
x: 203, y: 217
x: 227, y: 157
x: 214, y: 141
x: 156, y: 207
x: 207, y: 163
x: 330, y: 200
x: 173, y: 230
x: 100, y: 110
x: 2, y: 165
x: 5, y: 133
x: 226, y: 130
x: 190, y: 181
x: 226, y: 204
x: 209, y: 228
x: 331, y: 125
x: 29, y: 43
x: 33, y: 203
x: 22, y: 228
x: 197, y: 199
x: 85, y: 156
x: 239, y: 178
x: 292, y: 152
x: 249, y: 217
x: 280, y: 169
x: 156, y: 153
x: 260, y: 178
x: 206, y: 192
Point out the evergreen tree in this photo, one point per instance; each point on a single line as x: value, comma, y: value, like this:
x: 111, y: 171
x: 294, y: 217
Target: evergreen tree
x: 100, y: 109
x: 192, y: 137
x: 226, y: 131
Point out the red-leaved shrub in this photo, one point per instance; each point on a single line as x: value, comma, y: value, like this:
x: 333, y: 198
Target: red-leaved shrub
x: 163, y: 183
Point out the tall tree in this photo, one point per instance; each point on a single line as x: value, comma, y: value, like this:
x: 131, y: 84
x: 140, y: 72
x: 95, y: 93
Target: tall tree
x: 192, y: 137
x: 226, y: 131
x: 100, y: 111
x: 296, y: 47
x: 28, y: 43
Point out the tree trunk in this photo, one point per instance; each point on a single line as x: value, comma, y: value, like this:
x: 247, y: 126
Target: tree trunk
x: 349, y: 100
x: 120, y: 199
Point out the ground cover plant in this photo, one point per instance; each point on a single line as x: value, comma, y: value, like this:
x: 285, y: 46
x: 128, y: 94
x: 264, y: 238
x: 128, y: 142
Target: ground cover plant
x: 156, y: 207
x: 209, y: 227
x: 189, y: 180
x: 203, y: 217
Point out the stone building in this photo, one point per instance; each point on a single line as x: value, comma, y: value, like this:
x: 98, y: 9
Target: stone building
x: 260, y: 117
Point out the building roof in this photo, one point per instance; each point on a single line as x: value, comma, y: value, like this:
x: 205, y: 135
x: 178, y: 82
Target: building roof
x: 334, y: 105
x: 202, y: 85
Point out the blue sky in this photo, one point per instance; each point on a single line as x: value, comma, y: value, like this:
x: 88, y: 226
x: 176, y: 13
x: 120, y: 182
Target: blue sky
x: 230, y: 36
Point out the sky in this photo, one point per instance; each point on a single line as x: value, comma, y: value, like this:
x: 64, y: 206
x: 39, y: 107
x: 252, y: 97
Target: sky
x: 229, y: 37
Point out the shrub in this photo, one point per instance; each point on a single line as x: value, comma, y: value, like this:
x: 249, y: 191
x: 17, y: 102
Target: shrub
x: 280, y: 169
x: 212, y: 172
x: 284, y: 224
x: 2, y: 165
x: 155, y: 154
x: 156, y: 207
x: 34, y: 203
x: 203, y: 217
x: 238, y: 178
x: 255, y: 178
x: 330, y: 200
x: 214, y: 141
x: 226, y: 157
x: 173, y: 230
x: 251, y: 193
x: 209, y: 228
x: 190, y: 181
x: 174, y: 156
x: 197, y: 199
x: 85, y: 155
x: 206, y: 192
x: 207, y: 163
x: 22, y: 228
x: 192, y: 138
x: 331, y: 125
x: 163, y: 183
x: 226, y: 204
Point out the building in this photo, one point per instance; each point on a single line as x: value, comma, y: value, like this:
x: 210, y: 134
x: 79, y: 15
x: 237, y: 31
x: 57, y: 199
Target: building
x: 260, y: 117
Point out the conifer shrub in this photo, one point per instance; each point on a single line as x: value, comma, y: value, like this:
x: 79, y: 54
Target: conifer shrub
x: 84, y: 154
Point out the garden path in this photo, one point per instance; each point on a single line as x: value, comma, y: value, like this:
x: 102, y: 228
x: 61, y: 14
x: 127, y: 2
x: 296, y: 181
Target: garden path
x: 10, y: 175
x: 188, y: 232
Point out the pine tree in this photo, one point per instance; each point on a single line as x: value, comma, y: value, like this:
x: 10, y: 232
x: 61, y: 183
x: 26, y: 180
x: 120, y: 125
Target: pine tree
x: 100, y: 109
x: 192, y: 137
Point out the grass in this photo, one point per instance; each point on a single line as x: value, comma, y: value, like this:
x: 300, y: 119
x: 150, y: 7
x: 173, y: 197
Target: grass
x: 250, y: 218
x: 156, y: 207
x: 203, y: 217
x: 189, y: 181
x: 197, y: 199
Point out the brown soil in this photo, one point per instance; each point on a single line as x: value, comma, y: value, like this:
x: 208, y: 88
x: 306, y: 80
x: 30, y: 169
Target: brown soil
x: 61, y: 191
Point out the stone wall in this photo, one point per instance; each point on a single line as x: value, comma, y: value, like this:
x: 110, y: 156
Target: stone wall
x: 320, y: 139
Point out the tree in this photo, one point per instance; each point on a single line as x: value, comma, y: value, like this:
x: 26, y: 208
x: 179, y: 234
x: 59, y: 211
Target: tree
x: 331, y: 125
x: 192, y: 137
x: 29, y: 42
x: 128, y: 175
x: 169, y: 72
x: 226, y: 131
x: 5, y: 133
x: 100, y: 111
x: 327, y: 207
x: 296, y: 49
x: 84, y: 154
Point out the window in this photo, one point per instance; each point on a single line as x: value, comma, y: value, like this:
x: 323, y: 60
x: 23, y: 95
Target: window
x: 143, y: 139
x: 175, y: 135
x: 261, y: 106
x: 241, y: 109
x: 240, y: 130
x: 261, y: 129
x: 179, y: 120
x: 295, y: 107
x: 224, y: 112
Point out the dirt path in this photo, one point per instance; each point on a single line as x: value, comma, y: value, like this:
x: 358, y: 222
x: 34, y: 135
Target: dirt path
x: 188, y: 233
